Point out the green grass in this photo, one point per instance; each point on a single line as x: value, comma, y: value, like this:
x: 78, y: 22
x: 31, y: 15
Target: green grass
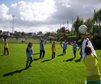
x: 54, y: 71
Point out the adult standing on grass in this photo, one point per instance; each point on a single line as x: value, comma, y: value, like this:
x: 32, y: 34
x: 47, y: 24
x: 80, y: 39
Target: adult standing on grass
x: 29, y: 53
x: 91, y: 63
x: 42, y: 50
x: 53, y: 47
x: 86, y: 41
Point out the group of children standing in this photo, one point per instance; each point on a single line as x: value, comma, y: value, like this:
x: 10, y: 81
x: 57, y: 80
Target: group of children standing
x: 29, y: 51
x: 90, y: 61
x: 88, y: 55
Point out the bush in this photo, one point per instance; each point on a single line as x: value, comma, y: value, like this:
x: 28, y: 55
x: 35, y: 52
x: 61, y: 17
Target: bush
x: 97, y: 42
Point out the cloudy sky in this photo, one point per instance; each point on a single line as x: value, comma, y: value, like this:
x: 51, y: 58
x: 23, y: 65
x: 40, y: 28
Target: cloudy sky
x: 43, y: 15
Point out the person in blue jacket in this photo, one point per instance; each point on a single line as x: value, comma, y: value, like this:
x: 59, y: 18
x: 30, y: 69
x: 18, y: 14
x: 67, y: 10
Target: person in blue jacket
x: 42, y: 50
x: 29, y: 53
x: 64, y: 47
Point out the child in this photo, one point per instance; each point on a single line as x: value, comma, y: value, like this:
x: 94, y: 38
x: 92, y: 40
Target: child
x: 6, y: 50
x: 53, y: 49
x: 91, y: 63
x: 42, y: 51
x: 64, y: 47
x: 74, y: 48
x: 29, y: 53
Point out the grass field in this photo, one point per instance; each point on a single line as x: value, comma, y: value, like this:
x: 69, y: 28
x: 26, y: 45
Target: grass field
x: 43, y: 71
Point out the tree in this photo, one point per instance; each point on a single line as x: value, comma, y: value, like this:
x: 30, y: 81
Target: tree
x: 62, y: 33
x: 0, y: 33
x: 97, y: 29
x: 76, y: 25
x: 97, y: 16
x: 47, y: 34
x: 89, y: 23
x: 62, y: 30
x: 97, y: 21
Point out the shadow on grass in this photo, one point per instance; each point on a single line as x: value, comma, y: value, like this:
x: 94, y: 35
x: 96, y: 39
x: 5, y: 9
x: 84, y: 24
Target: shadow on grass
x: 1, y: 55
x: 78, y: 60
x: 14, y: 72
x: 36, y: 53
x: 70, y: 59
x: 60, y: 55
x: 46, y: 60
x: 35, y: 59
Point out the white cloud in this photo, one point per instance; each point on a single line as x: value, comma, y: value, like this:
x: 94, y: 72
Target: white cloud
x: 44, y: 15
x: 4, y: 13
x: 43, y: 28
x: 65, y: 3
x: 28, y: 11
